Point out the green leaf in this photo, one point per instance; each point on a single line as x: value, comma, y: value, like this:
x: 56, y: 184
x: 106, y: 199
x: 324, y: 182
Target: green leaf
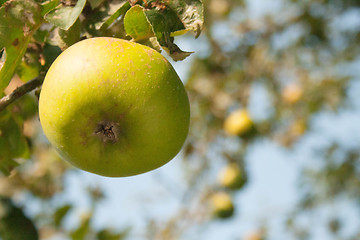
x: 48, y: 6
x: 81, y: 232
x: 12, y: 60
x: 137, y: 25
x: 51, y: 52
x: 60, y: 213
x: 29, y: 68
x: 14, y: 224
x: 121, y: 11
x: 151, y: 42
x: 13, y: 144
x: 164, y: 21
x: 107, y: 234
x: 18, y: 21
x: 64, y: 17
x: 71, y: 36
x: 25, y: 107
x: 27, y: 71
x: 191, y: 14
x: 174, y: 51
x: 7, y: 165
x: 2, y: 2
x: 164, y: 24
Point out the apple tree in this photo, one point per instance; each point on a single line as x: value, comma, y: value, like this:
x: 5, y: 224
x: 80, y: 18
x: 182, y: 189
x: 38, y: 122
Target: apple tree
x: 262, y: 71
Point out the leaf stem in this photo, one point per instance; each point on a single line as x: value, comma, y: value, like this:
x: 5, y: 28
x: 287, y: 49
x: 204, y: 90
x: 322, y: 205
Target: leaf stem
x: 20, y: 91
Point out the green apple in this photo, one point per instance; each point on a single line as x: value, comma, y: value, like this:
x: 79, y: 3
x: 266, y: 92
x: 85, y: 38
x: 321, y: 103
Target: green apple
x: 114, y: 108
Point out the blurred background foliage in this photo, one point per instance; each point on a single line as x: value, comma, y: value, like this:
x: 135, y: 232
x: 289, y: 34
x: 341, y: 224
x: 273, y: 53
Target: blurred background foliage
x: 291, y: 63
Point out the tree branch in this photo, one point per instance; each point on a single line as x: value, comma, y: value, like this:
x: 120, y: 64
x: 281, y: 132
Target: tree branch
x: 20, y: 91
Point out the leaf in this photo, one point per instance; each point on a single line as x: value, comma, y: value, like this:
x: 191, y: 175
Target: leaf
x: 81, y: 232
x: 106, y: 20
x: 28, y: 68
x: 14, y: 224
x: 12, y: 60
x: 18, y: 21
x: 50, y: 54
x: 13, y: 144
x: 164, y: 24
x: 60, y: 213
x: 151, y: 42
x: 175, y: 52
x: 164, y: 21
x: 121, y: 11
x: 64, y: 17
x: 71, y: 36
x: 7, y: 165
x: 25, y: 107
x: 137, y: 25
x: 48, y: 6
x: 2, y: 2
x: 107, y: 234
x: 191, y: 14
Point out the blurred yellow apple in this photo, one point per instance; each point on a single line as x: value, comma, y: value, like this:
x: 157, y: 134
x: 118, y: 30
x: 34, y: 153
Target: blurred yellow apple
x: 238, y: 123
x: 232, y: 176
x: 222, y: 205
x: 292, y: 93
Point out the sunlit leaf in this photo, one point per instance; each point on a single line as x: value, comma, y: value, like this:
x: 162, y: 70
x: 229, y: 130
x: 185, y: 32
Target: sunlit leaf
x: 120, y: 12
x: 190, y: 13
x: 48, y: 6
x: 137, y: 25
x: 164, y: 24
x: 18, y: 21
x: 65, y: 16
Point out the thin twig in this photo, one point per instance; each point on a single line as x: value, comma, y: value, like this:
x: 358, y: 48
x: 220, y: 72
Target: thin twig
x: 20, y: 91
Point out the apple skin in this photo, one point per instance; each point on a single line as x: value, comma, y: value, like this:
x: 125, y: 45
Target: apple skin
x: 114, y: 108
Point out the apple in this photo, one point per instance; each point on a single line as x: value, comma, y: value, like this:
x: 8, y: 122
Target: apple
x: 232, y: 177
x: 114, y: 108
x: 222, y: 205
x: 238, y: 123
